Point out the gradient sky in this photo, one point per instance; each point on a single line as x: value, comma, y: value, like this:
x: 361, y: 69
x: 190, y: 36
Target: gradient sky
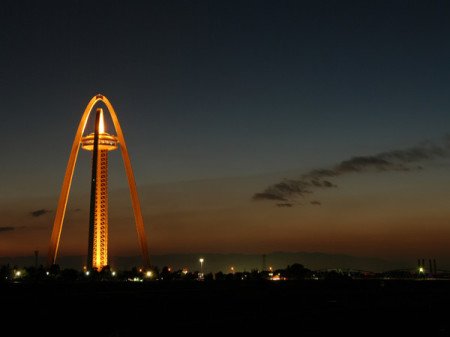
x: 220, y: 100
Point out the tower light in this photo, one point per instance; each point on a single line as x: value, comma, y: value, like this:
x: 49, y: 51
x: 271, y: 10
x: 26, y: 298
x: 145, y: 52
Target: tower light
x: 100, y: 143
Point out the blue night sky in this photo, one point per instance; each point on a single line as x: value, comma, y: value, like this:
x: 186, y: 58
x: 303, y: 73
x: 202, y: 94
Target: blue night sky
x: 219, y: 101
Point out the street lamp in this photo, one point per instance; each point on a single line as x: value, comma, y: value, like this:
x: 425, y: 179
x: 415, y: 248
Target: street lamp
x: 201, y: 265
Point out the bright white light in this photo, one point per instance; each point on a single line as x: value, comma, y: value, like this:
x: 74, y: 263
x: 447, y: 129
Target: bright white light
x: 113, y: 273
x: 18, y: 273
x: 201, y: 260
x: 87, y: 273
x: 149, y: 274
x: 101, y: 123
x: 47, y: 273
x: 421, y: 270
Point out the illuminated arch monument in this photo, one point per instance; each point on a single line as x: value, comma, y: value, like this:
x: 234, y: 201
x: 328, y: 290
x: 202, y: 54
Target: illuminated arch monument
x: 100, y: 143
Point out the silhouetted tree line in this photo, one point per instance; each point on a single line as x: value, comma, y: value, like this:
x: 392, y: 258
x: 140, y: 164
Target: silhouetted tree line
x: 295, y: 271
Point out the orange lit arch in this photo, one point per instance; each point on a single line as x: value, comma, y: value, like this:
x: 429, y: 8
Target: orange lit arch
x: 62, y: 204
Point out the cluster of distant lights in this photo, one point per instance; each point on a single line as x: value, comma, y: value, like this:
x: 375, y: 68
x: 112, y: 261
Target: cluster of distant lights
x: 149, y: 274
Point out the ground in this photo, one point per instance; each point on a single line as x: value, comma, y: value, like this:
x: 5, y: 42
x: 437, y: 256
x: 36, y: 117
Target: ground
x: 310, y: 308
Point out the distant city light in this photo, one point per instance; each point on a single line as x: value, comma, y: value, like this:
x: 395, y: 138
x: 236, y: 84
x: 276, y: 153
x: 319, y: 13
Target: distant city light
x: 18, y: 273
x: 149, y: 273
x: 113, y: 273
x: 421, y: 270
x: 87, y: 273
x: 47, y: 273
x: 277, y: 277
x: 201, y: 264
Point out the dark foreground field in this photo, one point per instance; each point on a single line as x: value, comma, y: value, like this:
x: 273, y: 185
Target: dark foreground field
x: 310, y: 308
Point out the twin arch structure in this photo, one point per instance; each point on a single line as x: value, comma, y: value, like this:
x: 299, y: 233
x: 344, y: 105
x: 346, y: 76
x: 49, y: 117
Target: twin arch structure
x: 65, y: 190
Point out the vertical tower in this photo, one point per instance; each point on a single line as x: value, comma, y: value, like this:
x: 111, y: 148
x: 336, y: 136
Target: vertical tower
x: 100, y: 143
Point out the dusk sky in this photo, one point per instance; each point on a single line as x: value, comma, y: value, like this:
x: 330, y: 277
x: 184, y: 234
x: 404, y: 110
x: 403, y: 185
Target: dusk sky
x: 252, y: 126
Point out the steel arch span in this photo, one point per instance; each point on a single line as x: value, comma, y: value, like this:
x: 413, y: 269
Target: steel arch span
x: 65, y: 190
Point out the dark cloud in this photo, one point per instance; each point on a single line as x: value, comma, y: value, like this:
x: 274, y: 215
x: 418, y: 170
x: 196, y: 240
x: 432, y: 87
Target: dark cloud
x: 285, y: 204
x: 365, y: 163
x: 284, y: 190
x: 397, y: 160
x: 322, y: 183
x: 21, y: 228
x: 315, y: 202
x: 321, y: 173
x: 268, y: 196
x: 288, y: 187
x: 39, y: 212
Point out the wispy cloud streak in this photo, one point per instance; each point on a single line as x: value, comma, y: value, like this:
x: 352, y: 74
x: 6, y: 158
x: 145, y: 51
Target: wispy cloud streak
x: 39, y: 212
x: 288, y: 190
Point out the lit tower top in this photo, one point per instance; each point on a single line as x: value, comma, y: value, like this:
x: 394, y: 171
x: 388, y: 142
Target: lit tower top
x: 106, y: 142
x: 98, y: 226
x: 99, y: 142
